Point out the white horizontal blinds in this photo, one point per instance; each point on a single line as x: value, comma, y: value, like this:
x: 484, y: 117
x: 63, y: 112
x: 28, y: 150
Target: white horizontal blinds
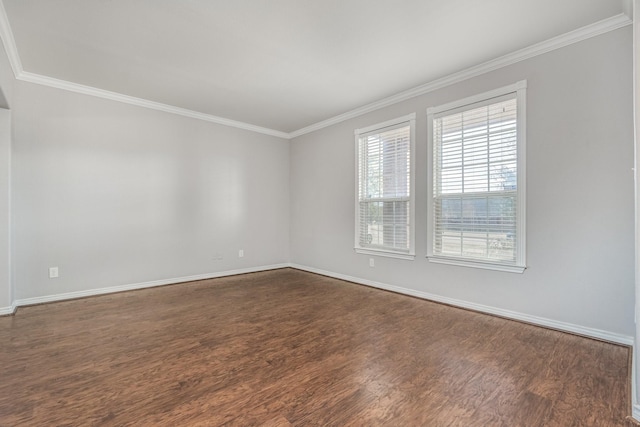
x: 475, y: 176
x: 384, y: 188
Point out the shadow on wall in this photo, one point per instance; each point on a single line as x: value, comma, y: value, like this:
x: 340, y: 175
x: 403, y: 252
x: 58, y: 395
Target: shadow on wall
x: 3, y: 100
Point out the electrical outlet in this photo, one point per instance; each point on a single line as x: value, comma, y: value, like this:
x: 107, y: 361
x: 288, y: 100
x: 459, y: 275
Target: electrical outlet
x: 53, y: 272
x: 217, y: 257
x: 240, y: 253
x: 372, y: 262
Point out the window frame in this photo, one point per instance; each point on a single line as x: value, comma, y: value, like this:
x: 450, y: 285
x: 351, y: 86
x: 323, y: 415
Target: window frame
x: 519, y: 265
x: 409, y: 119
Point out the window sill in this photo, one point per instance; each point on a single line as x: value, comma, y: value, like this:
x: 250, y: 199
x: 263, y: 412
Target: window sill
x: 388, y: 254
x: 477, y: 264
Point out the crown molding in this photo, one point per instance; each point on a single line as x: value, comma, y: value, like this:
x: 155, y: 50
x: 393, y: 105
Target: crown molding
x: 16, y: 65
x: 114, y: 96
x: 588, y: 31
x: 575, y: 36
x: 9, y: 42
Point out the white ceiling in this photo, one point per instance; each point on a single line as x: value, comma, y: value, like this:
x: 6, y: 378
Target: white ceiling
x: 279, y: 64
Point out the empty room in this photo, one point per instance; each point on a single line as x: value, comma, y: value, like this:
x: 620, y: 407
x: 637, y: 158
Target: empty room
x: 319, y: 213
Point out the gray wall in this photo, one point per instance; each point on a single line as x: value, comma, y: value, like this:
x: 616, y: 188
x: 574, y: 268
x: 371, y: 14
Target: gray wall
x: 6, y: 288
x: 114, y: 194
x: 636, y: 77
x: 580, y: 227
x: 7, y: 82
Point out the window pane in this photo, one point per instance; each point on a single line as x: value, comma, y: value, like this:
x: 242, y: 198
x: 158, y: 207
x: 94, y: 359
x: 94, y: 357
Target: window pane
x: 475, y: 183
x: 385, y: 224
x: 385, y: 189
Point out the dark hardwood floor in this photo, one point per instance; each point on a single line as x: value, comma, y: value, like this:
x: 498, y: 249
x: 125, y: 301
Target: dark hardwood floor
x: 289, y: 348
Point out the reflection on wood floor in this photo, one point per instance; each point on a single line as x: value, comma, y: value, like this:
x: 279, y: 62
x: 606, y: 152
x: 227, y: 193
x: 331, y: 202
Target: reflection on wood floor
x: 290, y: 348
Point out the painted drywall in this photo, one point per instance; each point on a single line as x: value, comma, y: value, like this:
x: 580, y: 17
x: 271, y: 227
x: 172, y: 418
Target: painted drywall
x: 6, y: 91
x: 580, y: 213
x: 7, y: 79
x: 636, y: 98
x: 6, y: 289
x: 114, y: 194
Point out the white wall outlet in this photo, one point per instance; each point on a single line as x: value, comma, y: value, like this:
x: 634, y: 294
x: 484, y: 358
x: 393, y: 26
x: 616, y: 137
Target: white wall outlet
x: 372, y: 262
x: 53, y: 272
x: 240, y: 253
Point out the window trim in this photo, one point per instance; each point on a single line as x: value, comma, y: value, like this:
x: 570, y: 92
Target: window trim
x: 519, y: 89
x: 385, y: 252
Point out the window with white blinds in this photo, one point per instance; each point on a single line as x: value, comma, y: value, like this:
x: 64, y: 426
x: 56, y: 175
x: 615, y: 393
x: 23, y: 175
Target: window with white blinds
x: 385, y: 201
x: 477, y: 192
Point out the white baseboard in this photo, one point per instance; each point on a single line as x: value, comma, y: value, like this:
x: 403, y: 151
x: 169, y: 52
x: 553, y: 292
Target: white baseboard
x: 635, y: 406
x: 549, y: 323
x: 7, y: 311
x: 562, y: 326
x: 541, y: 321
x: 134, y: 286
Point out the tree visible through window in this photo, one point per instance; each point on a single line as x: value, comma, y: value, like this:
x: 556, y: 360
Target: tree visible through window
x: 384, y: 205
x: 477, y: 192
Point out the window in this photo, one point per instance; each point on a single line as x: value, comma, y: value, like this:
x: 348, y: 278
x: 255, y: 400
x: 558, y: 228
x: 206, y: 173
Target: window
x: 384, y: 193
x: 477, y: 181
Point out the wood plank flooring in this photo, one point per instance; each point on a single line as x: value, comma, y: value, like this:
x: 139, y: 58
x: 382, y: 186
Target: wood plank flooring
x: 290, y: 348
